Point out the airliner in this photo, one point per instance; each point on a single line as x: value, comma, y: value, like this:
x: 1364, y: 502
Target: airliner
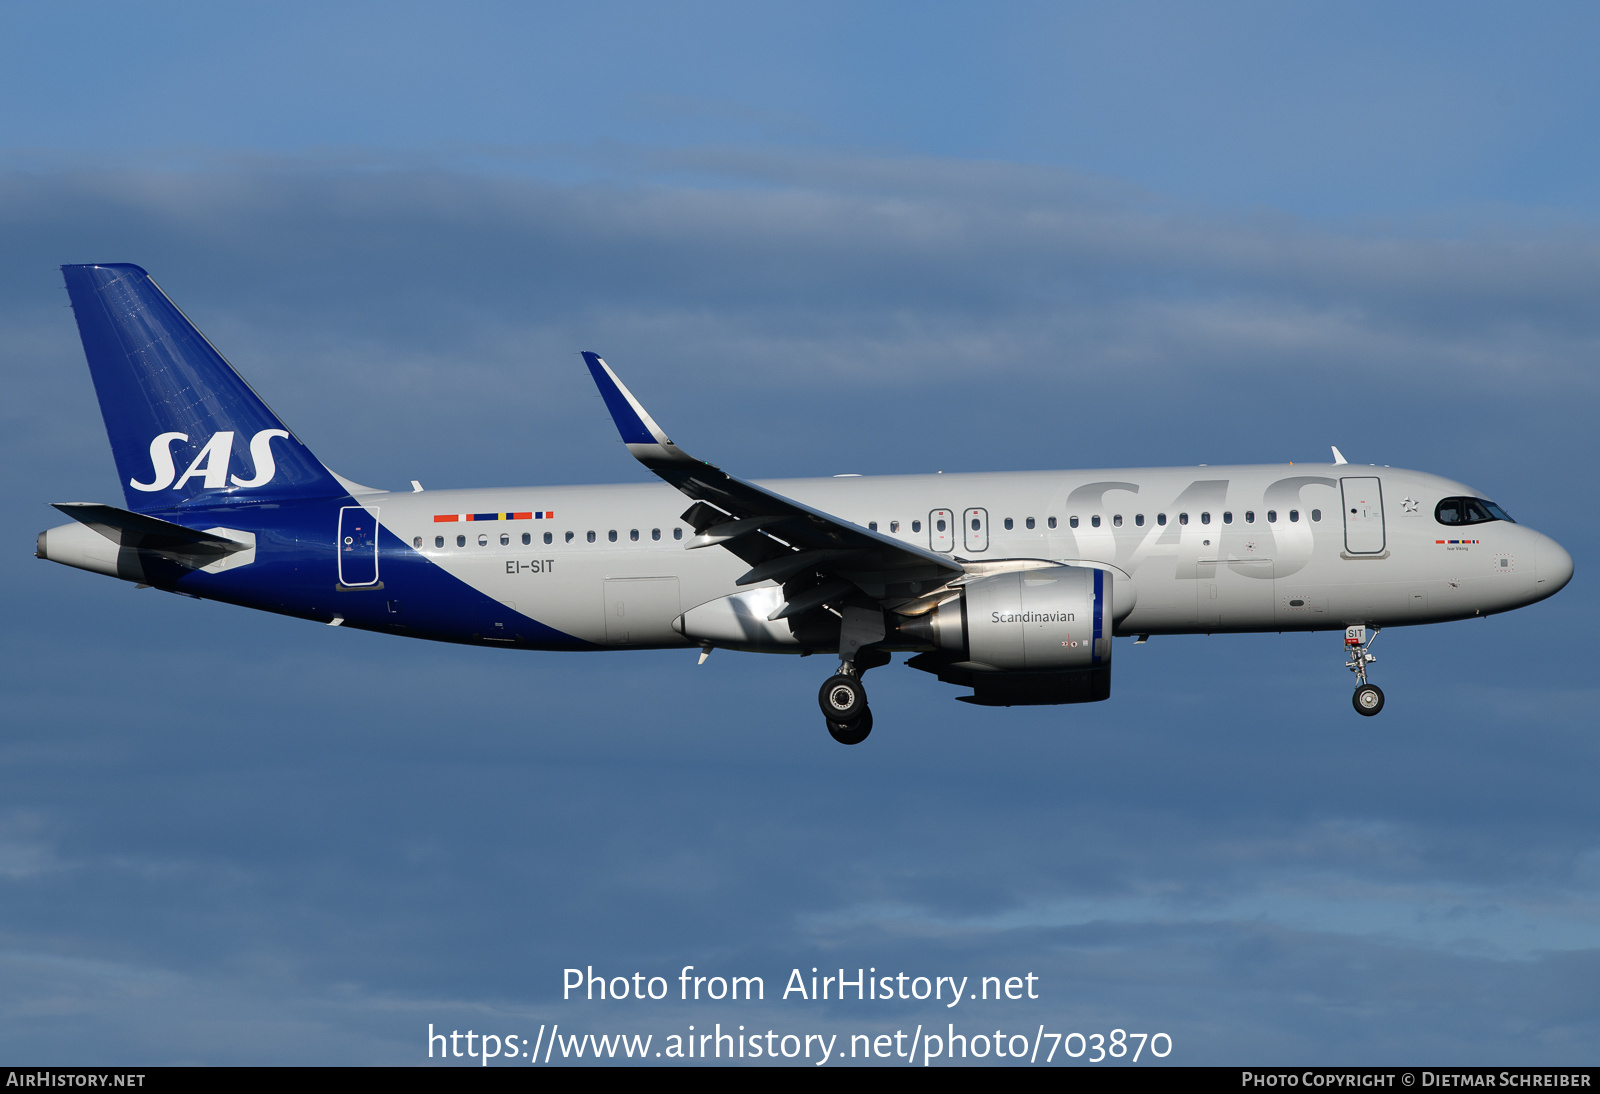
x: 1012, y: 585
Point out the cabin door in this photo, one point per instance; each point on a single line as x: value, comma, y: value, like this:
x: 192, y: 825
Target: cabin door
x: 1363, y: 515
x: 358, y: 546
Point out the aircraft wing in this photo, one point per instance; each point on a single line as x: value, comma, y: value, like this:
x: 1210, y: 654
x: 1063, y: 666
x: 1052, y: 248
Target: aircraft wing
x: 819, y: 559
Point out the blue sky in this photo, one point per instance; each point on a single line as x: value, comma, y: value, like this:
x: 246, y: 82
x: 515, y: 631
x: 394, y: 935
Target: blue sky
x: 867, y: 239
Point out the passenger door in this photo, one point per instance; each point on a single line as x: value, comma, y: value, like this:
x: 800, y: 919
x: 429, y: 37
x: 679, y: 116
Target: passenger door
x: 358, y: 546
x: 1363, y: 515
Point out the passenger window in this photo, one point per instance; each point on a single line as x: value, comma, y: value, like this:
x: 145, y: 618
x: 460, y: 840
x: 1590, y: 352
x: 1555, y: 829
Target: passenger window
x: 483, y: 541
x: 1205, y: 518
x: 549, y: 537
x: 916, y: 526
x: 633, y: 534
x: 1161, y: 519
x: 505, y: 540
x: 1227, y: 518
x: 1072, y: 522
x: 1095, y: 520
x: 1138, y: 520
x: 1294, y: 516
x: 1316, y: 515
x: 1051, y: 522
x: 461, y: 541
x: 527, y: 538
x: 1117, y: 520
x: 612, y: 535
x: 677, y: 533
x: 417, y: 542
x: 976, y: 524
x: 591, y: 537
x: 1249, y: 516
x: 941, y: 524
x: 438, y: 541
x: 1272, y: 516
x: 1183, y: 518
x: 1008, y: 524
x: 570, y: 535
x: 894, y: 526
x: 1028, y: 522
x: 655, y: 533
x: 872, y: 526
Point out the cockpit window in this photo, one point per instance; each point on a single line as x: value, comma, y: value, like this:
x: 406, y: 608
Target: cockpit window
x: 1469, y: 511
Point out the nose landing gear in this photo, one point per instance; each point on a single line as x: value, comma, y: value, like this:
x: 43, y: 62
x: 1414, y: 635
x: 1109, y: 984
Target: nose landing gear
x: 1368, y: 698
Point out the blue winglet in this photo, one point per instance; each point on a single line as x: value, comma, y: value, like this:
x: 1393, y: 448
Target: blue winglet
x: 633, y: 422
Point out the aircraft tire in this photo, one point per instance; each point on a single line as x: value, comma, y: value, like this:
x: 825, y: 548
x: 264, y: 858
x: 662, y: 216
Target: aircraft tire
x: 1368, y: 699
x: 851, y: 733
x: 842, y: 698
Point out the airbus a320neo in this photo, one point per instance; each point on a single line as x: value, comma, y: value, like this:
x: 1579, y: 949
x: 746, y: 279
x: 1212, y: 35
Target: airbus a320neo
x: 1012, y: 585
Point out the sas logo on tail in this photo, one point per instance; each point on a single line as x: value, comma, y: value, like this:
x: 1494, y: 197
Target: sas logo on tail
x: 211, y: 465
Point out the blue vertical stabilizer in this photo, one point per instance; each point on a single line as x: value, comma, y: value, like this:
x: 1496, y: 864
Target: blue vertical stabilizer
x: 185, y: 428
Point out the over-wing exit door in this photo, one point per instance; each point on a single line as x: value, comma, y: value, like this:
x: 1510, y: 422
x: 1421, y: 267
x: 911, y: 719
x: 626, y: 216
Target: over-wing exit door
x: 1363, y: 515
x: 941, y: 533
x: 975, y: 529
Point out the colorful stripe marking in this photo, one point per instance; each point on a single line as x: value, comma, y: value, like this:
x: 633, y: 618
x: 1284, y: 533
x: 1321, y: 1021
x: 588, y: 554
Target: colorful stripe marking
x: 452, y: 518
x: 1458, y: 541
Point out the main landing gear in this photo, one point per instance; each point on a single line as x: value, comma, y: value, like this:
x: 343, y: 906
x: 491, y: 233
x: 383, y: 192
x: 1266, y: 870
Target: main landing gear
x: 844, y: 700
x: 1368, y: 699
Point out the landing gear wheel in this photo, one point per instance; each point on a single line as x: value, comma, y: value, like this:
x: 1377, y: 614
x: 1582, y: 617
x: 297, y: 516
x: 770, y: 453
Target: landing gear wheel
x: 851, y: 733
x: 1368, y: 699
x: 842, y: 698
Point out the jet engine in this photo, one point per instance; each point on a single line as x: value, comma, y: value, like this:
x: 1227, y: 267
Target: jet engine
x: 1024, y: 637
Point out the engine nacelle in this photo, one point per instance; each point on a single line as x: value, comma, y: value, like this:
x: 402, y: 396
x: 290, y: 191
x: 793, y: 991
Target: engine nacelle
x: 1046, y: 619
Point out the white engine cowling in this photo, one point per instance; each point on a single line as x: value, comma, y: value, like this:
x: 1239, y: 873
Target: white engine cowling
x: 1052, y: 618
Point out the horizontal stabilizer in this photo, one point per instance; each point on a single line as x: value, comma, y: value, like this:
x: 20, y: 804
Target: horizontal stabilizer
x: 146, y: 533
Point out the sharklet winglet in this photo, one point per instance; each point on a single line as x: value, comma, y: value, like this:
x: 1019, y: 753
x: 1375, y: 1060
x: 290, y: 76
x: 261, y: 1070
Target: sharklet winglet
x: 632, y: 419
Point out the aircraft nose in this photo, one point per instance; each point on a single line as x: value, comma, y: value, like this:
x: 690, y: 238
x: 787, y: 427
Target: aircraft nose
x: 1554, y: 567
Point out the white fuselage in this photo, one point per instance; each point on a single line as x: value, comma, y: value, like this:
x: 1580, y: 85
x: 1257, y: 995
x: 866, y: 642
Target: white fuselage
x: 1193, y: 549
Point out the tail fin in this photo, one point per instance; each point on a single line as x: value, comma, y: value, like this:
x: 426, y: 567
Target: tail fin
x: 185, y: 427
